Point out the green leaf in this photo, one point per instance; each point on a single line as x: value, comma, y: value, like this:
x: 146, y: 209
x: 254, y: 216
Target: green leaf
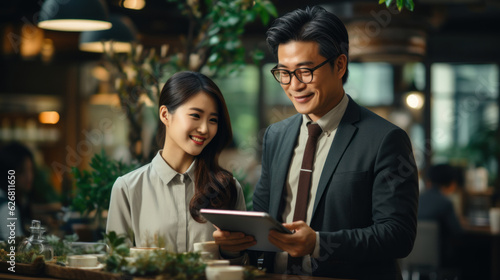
x: 214, y: 40
x: 265, y: 17
x: 399, y: 3
x: 213, y: 31
x: 388, y: 3
x: 270, y: 8
x: 409, y: 5
x: 122, y: 249
x: 232, y: 20
x: 232, y: 45
x: 258, y: 55
x: 249, y: 17
x: 381, y: 1
x: 213, y: 57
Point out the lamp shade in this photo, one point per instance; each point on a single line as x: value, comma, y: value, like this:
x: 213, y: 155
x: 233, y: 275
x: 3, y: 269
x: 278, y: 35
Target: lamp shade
x: 118, y: 37
x: 74, y: 15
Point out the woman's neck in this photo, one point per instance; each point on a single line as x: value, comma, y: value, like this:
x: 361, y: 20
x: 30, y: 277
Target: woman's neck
x: 179, y: 161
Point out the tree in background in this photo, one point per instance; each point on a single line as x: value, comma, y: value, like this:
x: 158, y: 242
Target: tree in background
x: 212, y: 46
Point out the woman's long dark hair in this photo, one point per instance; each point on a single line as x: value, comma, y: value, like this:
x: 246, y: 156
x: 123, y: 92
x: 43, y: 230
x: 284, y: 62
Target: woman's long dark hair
x: 215, y: 187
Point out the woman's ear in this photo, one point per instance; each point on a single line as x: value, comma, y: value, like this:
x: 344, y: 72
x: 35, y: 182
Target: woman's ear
x: 164, y: 115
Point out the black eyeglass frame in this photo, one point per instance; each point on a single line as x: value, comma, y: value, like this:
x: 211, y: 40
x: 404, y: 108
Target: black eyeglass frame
x: 302, y: 68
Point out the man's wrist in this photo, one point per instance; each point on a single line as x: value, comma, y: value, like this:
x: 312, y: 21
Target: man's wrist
x: 315, y: 253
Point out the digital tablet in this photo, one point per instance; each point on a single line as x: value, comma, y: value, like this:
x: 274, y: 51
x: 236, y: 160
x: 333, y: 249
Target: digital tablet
x: 256, y: 224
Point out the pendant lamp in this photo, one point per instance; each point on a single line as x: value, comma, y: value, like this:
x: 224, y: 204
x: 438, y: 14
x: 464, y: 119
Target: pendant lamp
x: 118, y: 38
x: 74, y: 15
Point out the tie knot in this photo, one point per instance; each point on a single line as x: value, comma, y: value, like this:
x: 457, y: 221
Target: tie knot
x: 314, y: 130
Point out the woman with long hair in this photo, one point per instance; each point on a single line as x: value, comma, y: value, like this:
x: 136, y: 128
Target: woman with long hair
x: 162, y: 199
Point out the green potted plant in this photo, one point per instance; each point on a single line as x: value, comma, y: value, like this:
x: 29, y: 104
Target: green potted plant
x: 93, y: 188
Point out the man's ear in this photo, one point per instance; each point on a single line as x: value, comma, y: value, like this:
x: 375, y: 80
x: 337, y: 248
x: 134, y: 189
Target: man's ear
x: 164, y: 115
x: 341, y: 65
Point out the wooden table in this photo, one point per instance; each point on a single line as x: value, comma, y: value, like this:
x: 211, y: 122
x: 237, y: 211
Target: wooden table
x: 14, y: 276
x: 485, y: 245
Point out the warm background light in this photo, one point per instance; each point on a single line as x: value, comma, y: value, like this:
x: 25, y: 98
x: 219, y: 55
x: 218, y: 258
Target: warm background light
x: 48, y: 117
x: 415, y: 101
x: 100, y: 47
x: 134, y: 4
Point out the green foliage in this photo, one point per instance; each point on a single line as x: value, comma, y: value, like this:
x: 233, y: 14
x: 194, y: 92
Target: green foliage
x: 69, y: 246
x: 483, y: 149
x: 484, y: 146
x: 118, y: 250
x: 168, y: 265
x: 408, y: 4
x: 160, y: 262
x: 212, y: 45
x: 27, y: 258
x: 246, y: 187
x: 117, y: 244
x: 93, y: 188
x: 60, y: 246
x: 220, y: 25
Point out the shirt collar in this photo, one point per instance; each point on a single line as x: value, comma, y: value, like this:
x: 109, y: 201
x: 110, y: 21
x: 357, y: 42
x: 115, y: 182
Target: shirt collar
x: 331, y: 120
x: 167, y: 173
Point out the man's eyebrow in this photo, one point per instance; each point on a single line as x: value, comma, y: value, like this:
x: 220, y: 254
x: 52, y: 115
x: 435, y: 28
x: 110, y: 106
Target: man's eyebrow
x: 201, y: 111
x: 304, y: 63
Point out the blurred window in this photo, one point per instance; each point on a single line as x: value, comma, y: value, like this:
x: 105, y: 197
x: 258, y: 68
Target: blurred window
x: 371, y: 83
x: 241, y: 94
x: 464, y: 103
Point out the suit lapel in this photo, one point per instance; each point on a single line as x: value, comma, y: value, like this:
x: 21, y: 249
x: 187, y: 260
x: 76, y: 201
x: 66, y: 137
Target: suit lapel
x: 282, y: 164
x: 345, y: 132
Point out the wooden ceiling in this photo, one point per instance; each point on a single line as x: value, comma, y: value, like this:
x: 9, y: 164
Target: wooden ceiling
x: 160, y: 21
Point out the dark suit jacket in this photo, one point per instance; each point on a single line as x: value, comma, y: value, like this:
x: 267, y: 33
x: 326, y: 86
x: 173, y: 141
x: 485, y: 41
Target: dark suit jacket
x: 365, y: 208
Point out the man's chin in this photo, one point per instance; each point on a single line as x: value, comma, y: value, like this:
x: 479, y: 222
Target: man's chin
x: 302, y: 109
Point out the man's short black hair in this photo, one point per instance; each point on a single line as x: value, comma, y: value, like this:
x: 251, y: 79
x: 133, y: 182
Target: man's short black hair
x: 442, y: 175
x: 311, y: 25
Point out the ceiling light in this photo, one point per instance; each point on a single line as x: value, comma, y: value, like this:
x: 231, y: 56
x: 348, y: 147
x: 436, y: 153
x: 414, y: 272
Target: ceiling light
x: 116, y: 39
x: 74, y: 15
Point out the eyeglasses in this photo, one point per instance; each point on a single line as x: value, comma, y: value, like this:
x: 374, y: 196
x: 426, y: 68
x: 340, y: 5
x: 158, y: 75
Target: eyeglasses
x: 304, y: 75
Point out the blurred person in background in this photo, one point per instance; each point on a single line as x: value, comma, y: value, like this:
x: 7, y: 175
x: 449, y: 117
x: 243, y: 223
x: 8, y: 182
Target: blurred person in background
x: 435, y: 205
x: 31, y: 189
x: 17, y: 160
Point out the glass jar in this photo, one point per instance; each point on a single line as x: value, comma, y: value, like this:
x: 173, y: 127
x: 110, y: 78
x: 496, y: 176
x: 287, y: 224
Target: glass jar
x: 37, y: 242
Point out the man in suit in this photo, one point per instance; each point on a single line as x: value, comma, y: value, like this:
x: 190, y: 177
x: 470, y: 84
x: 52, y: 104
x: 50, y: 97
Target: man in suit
x: 361, y: 206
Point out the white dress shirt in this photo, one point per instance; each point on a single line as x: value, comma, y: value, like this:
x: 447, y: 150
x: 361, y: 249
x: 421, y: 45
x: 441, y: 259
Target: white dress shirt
x: 153, y: 202
x: 328, y: 123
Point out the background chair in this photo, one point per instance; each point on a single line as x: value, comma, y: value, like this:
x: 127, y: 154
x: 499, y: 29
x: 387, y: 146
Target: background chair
x: 423, y: 261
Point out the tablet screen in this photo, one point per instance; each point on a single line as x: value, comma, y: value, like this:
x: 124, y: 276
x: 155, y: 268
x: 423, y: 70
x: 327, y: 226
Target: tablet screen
x: 256, y: 224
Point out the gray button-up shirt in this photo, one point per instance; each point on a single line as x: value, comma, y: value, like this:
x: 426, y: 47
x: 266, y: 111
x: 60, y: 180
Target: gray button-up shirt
x: 153, y: 202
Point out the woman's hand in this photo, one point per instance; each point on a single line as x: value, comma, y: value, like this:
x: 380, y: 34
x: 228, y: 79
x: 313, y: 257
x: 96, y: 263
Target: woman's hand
x: 233, y: 241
